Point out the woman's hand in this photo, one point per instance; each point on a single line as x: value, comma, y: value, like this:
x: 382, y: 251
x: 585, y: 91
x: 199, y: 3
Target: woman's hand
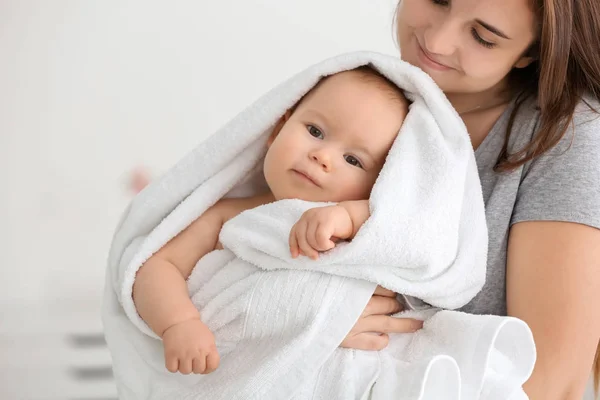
x: 372, y: 328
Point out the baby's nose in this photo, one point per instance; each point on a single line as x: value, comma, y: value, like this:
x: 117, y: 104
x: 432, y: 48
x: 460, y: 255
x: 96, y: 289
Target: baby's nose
x: 322, y: 158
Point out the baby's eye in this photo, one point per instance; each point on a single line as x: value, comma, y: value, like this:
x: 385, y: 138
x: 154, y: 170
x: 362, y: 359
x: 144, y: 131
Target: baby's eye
x: 353, y: 161
x: 314, y: 131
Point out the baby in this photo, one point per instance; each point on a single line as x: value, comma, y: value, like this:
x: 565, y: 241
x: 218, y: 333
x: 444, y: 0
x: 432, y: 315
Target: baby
x: 330, y: 147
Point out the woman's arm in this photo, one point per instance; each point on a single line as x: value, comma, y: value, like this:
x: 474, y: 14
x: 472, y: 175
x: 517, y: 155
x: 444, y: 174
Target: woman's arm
x: 553, y: 284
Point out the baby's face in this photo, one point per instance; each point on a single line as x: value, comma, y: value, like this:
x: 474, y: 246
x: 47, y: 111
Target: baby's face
x: 332, y: 147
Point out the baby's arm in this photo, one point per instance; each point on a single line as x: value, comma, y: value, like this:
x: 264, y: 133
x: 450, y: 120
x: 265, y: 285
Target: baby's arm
x: 160, y: 292
x: 359, y: 213
x: 161, y: 297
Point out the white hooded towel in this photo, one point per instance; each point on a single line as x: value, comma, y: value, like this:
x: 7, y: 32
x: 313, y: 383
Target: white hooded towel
x: 279, y: 321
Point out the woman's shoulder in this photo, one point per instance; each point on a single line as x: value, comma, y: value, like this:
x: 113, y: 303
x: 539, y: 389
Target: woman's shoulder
x: 582, y: 134
x: 582, y: 137
x: 587, y: 114
x: 562, y: 184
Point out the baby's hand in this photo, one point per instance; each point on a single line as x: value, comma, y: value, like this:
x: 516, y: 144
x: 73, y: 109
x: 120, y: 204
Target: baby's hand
x: 318, y: 230
x: 190, y: 347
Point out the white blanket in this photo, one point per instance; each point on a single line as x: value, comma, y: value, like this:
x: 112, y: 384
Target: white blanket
x: 279, y: 321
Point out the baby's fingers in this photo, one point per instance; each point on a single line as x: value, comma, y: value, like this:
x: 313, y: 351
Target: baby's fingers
x: 302, y: 243
x: 172, y: 364
x: 297, y: 231
x: 294, y: 249
x: 323, y: 237
x: 212, y: 361
x: 317, y: 236
x: 306, y: 248
x: 185, y: 365
x: 199, y: 365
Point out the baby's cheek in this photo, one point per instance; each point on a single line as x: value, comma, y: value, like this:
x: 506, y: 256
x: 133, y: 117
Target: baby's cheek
x: 359, y: 189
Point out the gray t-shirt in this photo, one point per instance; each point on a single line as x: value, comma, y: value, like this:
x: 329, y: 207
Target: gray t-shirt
x: 561, y: 185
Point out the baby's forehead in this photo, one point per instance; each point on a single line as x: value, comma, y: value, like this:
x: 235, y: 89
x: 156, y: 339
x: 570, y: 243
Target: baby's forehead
x: 350, y: 97
x: 364, y: 76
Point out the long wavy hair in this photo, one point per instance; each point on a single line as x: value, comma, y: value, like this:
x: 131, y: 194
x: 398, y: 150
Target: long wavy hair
x: 566, y: 68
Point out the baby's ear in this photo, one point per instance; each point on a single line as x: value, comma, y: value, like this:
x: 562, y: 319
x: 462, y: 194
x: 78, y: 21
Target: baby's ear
x: 278, y: 126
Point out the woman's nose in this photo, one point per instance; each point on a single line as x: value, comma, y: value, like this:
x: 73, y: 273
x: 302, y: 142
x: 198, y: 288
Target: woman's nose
x: 440, y: 39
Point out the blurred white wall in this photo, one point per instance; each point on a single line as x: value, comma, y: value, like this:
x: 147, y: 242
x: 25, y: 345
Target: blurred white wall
x: 91, y: 88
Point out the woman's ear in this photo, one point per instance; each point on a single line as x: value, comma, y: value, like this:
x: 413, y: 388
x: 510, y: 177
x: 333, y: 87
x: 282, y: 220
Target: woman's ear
x: 278, y: 126
x: 524, y: 62
x: 530, y: 55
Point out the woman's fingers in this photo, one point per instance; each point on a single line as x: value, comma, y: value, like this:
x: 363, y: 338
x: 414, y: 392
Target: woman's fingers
x: 380, y: 291
x: 387, y: 324
x: 366, y: 341
x: 371, y: 330
x: 382, y: 305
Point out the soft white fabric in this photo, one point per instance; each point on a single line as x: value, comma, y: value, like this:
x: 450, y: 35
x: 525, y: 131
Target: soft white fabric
x: 279, y: 321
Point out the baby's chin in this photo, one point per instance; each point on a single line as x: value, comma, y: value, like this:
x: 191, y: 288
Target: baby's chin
x: 309, y: 197
x: 299, y: 195
x: 316, y: 195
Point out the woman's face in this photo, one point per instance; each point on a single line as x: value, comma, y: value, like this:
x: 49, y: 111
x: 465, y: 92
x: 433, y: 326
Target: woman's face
x: 467, y: 46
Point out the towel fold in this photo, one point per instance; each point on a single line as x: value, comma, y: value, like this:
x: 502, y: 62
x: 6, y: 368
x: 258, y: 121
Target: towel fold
x: 279, y: 321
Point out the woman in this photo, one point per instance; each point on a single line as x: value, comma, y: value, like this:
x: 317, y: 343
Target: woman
x: 525, y: 77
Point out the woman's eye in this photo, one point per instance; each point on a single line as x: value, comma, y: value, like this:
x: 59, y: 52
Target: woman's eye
x: 353, y: 161
x: 480, y: 40
x: 314, y: 131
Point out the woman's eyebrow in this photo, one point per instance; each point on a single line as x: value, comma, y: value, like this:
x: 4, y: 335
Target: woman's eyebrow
x: 492, y: 29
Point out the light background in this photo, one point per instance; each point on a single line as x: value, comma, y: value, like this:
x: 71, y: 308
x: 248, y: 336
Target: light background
x: 88, y: 91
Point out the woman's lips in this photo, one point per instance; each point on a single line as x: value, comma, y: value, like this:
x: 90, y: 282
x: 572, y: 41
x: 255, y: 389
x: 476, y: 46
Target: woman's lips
x: 427, y: 60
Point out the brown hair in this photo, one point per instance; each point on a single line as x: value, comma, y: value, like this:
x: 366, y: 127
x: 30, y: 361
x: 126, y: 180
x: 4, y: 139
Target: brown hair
x: 565, y: 69
x: 567, y: 66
